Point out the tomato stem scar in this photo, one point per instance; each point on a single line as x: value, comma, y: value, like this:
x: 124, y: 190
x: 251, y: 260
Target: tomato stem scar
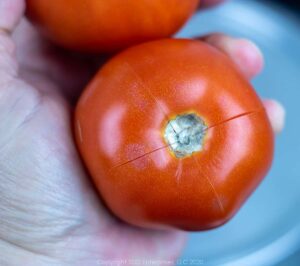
x: 185, y: 134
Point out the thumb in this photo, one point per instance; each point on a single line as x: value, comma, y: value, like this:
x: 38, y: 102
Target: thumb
x: 11, y: 12
x: 17, y: 98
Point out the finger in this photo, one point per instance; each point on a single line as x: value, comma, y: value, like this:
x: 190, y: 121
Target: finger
x: 10, y: 14
x: 244, y: 53
x: 276, y: 114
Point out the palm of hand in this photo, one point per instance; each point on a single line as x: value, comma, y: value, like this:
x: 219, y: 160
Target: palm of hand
x: 53, y: 209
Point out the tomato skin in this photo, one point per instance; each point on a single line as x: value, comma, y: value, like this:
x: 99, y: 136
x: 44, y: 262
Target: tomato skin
x: 119, y: 124
x: 107, y: 26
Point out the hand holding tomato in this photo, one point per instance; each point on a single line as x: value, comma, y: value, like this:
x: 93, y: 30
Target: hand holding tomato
x: 50, y: 213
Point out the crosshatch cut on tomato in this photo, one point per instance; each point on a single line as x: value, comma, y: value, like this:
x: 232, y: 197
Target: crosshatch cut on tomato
x: 108, y: 25
x: 173, y: 135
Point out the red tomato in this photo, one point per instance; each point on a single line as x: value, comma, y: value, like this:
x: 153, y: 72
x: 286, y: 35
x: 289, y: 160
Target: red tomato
x: 173, y: 135
x: 108, y: 25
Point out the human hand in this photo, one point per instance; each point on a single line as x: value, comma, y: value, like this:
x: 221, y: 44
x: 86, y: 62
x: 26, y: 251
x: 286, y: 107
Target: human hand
x: 50, y: 212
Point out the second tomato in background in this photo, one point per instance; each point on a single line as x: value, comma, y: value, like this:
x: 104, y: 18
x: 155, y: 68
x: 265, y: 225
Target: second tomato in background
x: 103, y: 26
